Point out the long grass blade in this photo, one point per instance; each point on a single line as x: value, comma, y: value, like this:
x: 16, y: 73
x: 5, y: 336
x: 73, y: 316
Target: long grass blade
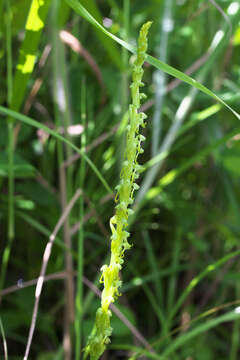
x: 109, y: 46
x: 81, y: 10
x: 195, y: 281
x: 206, y: 326
x: 4, y: 340
x: 28, y: 52
x: 16, y: 91
x: 80, y: 264
x: 10, y: 149
x: 159, y: 77
x: 174, y: 173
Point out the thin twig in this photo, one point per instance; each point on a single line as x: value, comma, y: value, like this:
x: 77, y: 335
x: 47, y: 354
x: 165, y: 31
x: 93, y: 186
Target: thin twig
x: 42, y: 181
x: 122, y: 317
x: 63, y: 275
x: 224, y: 15
x: 98, y: 218
x: 41, y: 277
x: 77, y: 226
x: 198, y: 12
x: 99, y: 140
x: 34, y: 91
x: 77, y: 47
x: 38, y: 82
x: 69, y: 283
x: 24, y: 284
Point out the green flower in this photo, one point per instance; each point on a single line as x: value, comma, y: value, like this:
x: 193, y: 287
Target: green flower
x: 118, y: 223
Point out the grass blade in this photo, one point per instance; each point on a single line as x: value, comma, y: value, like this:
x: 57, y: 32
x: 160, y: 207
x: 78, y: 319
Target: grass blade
x: 81, y: 10
x: 110, y: 47
x: 173, y: 174
x: 4, y: 340
x: 80, y: 262
x: 34, y: 26
x: 10, y: 150
x: 159, y: 77
x: 181, y: 340
x: 195, y: 281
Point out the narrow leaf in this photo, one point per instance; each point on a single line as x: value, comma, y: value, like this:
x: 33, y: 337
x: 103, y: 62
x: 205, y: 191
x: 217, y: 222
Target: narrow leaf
x: 34, y: 26
x: 81, y: 10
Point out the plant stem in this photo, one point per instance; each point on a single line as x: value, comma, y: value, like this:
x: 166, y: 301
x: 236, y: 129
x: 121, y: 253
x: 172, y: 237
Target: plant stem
x: 10, y: 150
x: 80, y: 262
x: 160, y: 77
x: 61, y: 106
x: 100, y: 336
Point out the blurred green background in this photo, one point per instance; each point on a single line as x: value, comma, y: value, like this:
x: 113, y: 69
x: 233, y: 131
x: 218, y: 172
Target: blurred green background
x: 181, y: 287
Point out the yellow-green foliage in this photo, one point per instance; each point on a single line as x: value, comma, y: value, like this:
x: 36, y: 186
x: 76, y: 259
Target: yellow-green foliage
x: 118, y: 223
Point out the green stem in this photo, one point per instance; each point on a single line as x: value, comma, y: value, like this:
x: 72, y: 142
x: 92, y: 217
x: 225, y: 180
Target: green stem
x: 79, y: 297
x: 235, y: 332
x: 126, y: 14
x: 62, y: 118
x: 9, y: 52
x: 118, y: 223
x: 159, y: 76
x: 7, y: 250
x: 125, y: 76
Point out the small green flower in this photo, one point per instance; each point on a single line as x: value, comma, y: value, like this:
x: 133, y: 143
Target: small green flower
x: 118, y: 223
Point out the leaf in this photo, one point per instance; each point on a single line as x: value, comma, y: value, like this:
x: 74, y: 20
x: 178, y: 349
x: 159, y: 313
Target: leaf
x: 34, y: 26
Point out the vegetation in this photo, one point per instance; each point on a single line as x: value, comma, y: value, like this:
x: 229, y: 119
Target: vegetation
x: 65, y: 77
x: 125, y: 191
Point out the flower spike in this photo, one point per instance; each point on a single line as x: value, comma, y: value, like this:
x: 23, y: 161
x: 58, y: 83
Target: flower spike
x: 102, y: 331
